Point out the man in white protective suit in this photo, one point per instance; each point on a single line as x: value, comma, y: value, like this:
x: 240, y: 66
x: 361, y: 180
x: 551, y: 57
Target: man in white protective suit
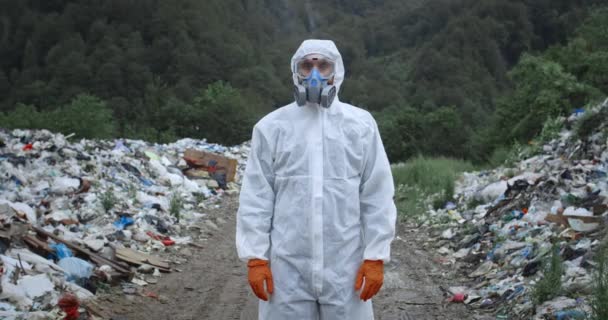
x: 316, y: 216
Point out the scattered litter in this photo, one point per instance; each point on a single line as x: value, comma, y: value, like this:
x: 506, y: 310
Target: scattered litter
x: 559, y: 196
x: 87, y: 211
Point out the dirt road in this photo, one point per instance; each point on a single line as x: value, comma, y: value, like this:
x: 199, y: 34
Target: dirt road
x: 213, y: 284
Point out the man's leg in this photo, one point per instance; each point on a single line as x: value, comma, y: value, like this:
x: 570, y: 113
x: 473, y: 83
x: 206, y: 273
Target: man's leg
x: 353, y: 309
x: 295, y: 310
x: 292, y: 298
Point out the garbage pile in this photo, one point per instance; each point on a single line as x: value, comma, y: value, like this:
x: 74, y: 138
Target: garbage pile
x: 502, y: 225
x: 75, y: 216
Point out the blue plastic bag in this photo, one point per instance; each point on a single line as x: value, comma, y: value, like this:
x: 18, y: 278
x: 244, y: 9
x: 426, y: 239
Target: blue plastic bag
x: 61, y: 251
x: 146, y: 182
x: 570, y: 315
x: 578, y: 111
x: 123, y: 222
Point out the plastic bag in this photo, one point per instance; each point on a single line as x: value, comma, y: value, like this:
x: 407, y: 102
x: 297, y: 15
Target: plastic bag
x: 76, y: 268
x: 61, y: 251
x: 123, y: 222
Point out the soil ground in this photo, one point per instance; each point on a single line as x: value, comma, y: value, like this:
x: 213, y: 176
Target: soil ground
x: 213, y: 284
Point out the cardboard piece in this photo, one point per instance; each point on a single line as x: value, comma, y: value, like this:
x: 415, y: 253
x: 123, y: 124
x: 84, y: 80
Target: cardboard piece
x: 199, y: 160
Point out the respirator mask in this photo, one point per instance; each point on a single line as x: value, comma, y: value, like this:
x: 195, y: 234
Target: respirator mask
x: 315, y: 75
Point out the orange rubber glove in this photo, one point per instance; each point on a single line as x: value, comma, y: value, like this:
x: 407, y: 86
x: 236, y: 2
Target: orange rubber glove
x: 373, y: 272
x: 259, y: 271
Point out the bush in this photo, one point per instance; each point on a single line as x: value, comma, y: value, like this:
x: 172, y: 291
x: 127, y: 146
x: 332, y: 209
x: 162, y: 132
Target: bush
x: 550, y: 131
x: 85, y: 115
x: 407, y: 133
x: 24, y: 117
x: 221, y: 115
x: 499, y: 157
x: 402, y: 131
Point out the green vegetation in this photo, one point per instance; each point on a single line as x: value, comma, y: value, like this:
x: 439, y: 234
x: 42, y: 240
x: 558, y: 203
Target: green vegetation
x: 509, y: 155
x: 589, y: 122
x: 550, y: 131
x: 551, y: 84
x: 407, y: 132
x: 175, y: 205
x: 501, y: 156
x: 599, y: 298
x: 108, y: 199
x: 444, y: 77
x: 426, y: 179
x: 550, y: 285
x: 543, y: 90
x: 85, y: 115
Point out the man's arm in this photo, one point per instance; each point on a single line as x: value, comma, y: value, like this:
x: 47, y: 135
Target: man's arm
x: 378, y: 212
x: 256, y: 201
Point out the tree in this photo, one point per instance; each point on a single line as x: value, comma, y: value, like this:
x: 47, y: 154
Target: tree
x: 445, y: 133
x: 402, y: 131
x: 23, y: 116
x: 5, y: 85
x: 85, y: 115
x: 542, y: 90
x: 221, y: 115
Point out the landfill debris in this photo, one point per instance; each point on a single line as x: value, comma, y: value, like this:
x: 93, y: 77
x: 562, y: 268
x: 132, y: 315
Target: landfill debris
x: 458, y: 298
x: 75, y: 268
x: 222, y: 170
x: 69, y: 304
x: 559, y: 195
x: 138, y: 259
x: 74, y: 213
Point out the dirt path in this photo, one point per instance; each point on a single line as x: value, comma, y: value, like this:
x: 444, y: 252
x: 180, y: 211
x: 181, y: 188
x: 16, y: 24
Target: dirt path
x: 413, y: 282
x: 213, y: 284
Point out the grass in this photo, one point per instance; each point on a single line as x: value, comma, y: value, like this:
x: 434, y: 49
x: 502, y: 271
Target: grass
x: 599, y: 297
x: 426, y: 181
x: 550, y: 286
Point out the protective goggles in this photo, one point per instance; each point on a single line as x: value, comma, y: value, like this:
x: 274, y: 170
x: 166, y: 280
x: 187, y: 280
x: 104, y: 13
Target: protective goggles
x: 324, y: 65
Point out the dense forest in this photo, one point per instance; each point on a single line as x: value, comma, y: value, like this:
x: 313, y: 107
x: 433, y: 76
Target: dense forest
x: 460, y: 78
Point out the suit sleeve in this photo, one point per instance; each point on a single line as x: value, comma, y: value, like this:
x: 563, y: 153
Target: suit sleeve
x: 256, y: 201
x: 378, y: 211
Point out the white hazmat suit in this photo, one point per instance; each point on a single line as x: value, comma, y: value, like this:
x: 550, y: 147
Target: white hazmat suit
x: 316, y: 201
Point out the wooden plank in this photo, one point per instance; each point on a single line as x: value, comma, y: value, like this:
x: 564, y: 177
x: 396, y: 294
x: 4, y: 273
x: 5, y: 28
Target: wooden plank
x: 563, y: 219
x: 37, y: 244
x: 99, y: 260
x: 138, y: 261
x: 5, y: 234
x: 139, y: 258
x: 557, y: 218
